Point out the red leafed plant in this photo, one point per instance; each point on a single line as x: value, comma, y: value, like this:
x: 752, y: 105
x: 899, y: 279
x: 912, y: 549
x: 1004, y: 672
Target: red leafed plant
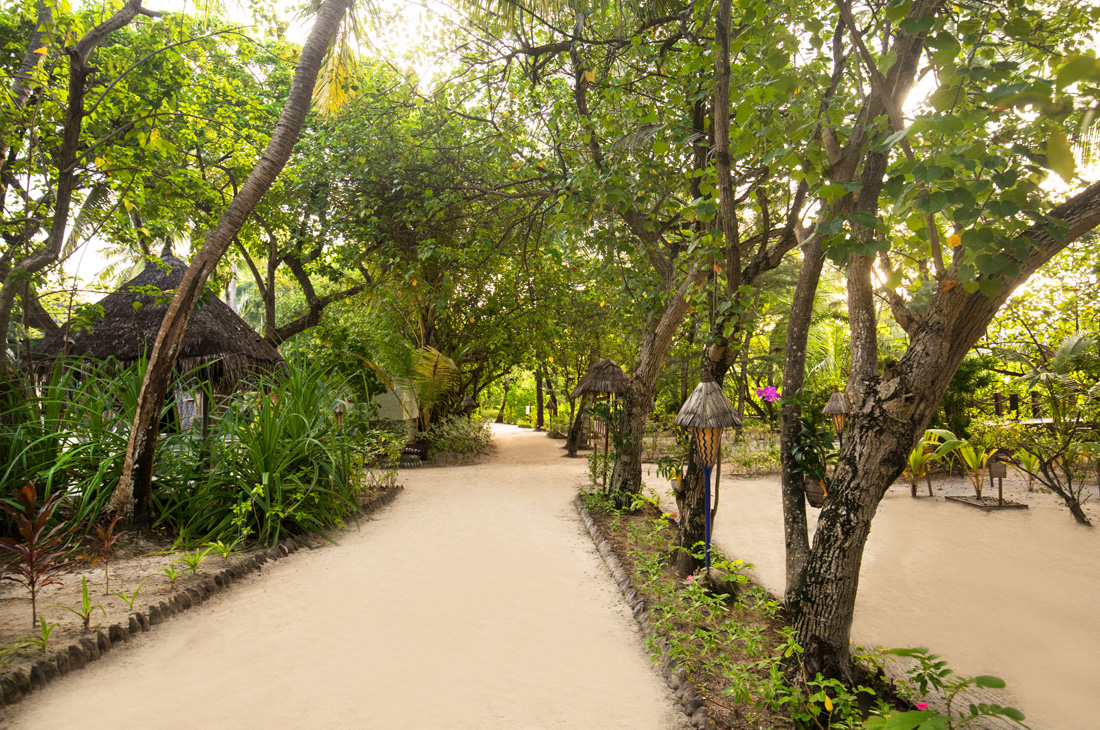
x: 40, y: 556
x: 104, y: 543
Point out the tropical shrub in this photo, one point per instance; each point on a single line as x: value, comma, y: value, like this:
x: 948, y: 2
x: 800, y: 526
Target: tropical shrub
x: 459, y: 435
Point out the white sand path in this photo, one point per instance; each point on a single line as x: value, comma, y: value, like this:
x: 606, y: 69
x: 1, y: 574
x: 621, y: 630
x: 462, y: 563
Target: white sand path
x: 1015, y: 594
x: 476, y: 601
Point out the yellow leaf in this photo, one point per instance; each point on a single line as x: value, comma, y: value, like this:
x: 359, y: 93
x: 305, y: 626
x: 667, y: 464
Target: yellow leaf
x: 41, y: 50
x: 551, y: 358
x: 590, y: 76
x: 145, y: 231
x: 954, y: 240
x: 828, y: 704
x: 126, y: 204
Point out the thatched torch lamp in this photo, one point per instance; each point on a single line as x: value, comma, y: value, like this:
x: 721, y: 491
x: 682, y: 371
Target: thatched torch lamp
x: 706, y: 412
x: 468, y: 404
x: 837, y: 409
x: 603, y: 378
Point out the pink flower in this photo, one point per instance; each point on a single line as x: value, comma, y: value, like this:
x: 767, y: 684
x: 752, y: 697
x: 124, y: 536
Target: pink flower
x: 770, y: 394
x: 922, y: 705
x: 690, y: 578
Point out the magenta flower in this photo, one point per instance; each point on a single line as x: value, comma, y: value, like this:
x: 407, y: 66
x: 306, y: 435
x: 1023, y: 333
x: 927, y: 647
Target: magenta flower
x: 922, y: 705
x: 770, y: 394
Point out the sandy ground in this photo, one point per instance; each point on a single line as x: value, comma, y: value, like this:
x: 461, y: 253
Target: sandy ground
x: 475, y: 602
x: 1013, y: 593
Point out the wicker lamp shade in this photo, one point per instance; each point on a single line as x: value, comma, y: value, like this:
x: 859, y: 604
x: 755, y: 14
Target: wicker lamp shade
x: 836, y: 409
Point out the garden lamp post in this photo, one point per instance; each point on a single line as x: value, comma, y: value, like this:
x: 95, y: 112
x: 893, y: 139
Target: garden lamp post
x: 837, y: 409
x: 468, y: 404
x: 604, y: 378
x: 707, y: 411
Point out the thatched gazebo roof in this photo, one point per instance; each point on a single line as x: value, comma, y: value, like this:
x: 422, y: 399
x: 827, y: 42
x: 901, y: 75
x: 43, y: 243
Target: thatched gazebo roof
x: 707, y: 407
x: 603, y: 377
x: 230, y: 352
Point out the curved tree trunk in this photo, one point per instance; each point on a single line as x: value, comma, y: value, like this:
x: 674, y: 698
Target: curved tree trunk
x: 795, y: 535
x: 134, y: 491
x: 637, y: 401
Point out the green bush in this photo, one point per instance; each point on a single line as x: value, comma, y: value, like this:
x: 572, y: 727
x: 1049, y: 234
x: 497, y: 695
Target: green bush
x: 459, y: 436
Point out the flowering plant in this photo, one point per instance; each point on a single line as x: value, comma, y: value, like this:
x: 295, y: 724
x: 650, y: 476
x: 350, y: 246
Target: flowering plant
x: 769, y: 394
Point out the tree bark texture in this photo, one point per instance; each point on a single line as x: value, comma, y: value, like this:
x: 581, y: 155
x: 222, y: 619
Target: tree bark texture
x: 134, y: 491
x: 795, y: 535
x: 637, y: 401
x: 888, y: 413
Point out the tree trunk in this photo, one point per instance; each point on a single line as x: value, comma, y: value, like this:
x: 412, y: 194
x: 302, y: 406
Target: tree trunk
x: 66, y: 160
x: 576, y: 427
x: 795, y: 536
x: 134, y: 491
x: 887, y: 414
x: 637, y: 401
x: 538, y: 400
x: 503, y: 403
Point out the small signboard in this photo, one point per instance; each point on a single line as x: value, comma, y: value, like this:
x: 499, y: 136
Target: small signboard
x: 997, y: 470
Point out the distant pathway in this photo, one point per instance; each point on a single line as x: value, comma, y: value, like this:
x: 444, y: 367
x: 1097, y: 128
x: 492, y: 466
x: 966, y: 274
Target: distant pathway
x: 475, y: 602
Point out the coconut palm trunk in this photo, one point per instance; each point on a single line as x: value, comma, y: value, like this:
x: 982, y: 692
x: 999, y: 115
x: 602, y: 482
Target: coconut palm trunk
x: 133, y: 495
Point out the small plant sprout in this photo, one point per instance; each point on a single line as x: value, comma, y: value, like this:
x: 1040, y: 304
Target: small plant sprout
x: 40, y: 556
x: 129, y: 599
x: 104, y: 543
x: 221, y: 549
x: 172, y: 573
x: 45, y: 629
x: 192, y: 561
x: 86, y: 608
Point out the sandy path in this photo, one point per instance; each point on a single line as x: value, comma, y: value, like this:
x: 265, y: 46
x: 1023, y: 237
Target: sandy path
x: 1015, y: 594
x: 475, y: 601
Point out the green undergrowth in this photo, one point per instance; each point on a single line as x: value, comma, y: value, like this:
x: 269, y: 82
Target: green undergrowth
x: 738, y: 651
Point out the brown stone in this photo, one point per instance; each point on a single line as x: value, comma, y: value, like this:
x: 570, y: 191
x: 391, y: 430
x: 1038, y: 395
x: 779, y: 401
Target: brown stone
x: 9, y: 691
x: 700, y: 720
x: 166, y: 610
x: 48, y: 667
x: 273, y: 553
x: 22, y: 681
x: 673, y: 681
x: 183, y: 602
x: 91, y: 649
x: 196, y: 595
x: 693, y: 705
x: 103, y: 642
x: 119, y: 632
x: 37, y: 677
x: 77, y: 659
x: 154, y: 616
x: 64, y: 664
x: 219, y: 579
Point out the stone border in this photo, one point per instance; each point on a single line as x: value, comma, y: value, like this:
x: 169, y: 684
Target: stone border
x: 18, y: 684
x: 693, y: 705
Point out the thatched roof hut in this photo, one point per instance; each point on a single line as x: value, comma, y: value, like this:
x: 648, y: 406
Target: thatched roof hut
x: 229, y: 352
x: 603, y: 377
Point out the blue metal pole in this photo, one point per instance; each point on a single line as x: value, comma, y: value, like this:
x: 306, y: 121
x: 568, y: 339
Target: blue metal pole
x: 706, y: 512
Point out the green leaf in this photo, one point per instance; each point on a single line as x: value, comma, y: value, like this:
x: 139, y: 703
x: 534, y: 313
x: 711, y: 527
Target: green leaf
x: 898, y: 10
x: 1075, y: 69
x: 1060, y: 156
x: 985, y: 680
x: 991, y: 288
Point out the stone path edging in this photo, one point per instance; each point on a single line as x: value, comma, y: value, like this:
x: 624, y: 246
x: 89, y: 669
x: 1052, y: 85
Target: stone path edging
x: 693, y: 705
x: 17, y: 684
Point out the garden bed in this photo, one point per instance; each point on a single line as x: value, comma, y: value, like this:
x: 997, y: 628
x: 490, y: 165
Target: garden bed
x: 137, y: 566
x: 986, y: 503
x: 716, y: 654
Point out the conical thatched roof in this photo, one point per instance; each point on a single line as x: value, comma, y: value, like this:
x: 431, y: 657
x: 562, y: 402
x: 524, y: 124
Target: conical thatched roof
x: 707, y: 407
x: 603, y: 377
x: 216, y: 337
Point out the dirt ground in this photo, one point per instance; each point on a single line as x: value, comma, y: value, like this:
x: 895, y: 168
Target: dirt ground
x: 475, y: 602
x: 136, y: 564
x: 1011, y: 593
